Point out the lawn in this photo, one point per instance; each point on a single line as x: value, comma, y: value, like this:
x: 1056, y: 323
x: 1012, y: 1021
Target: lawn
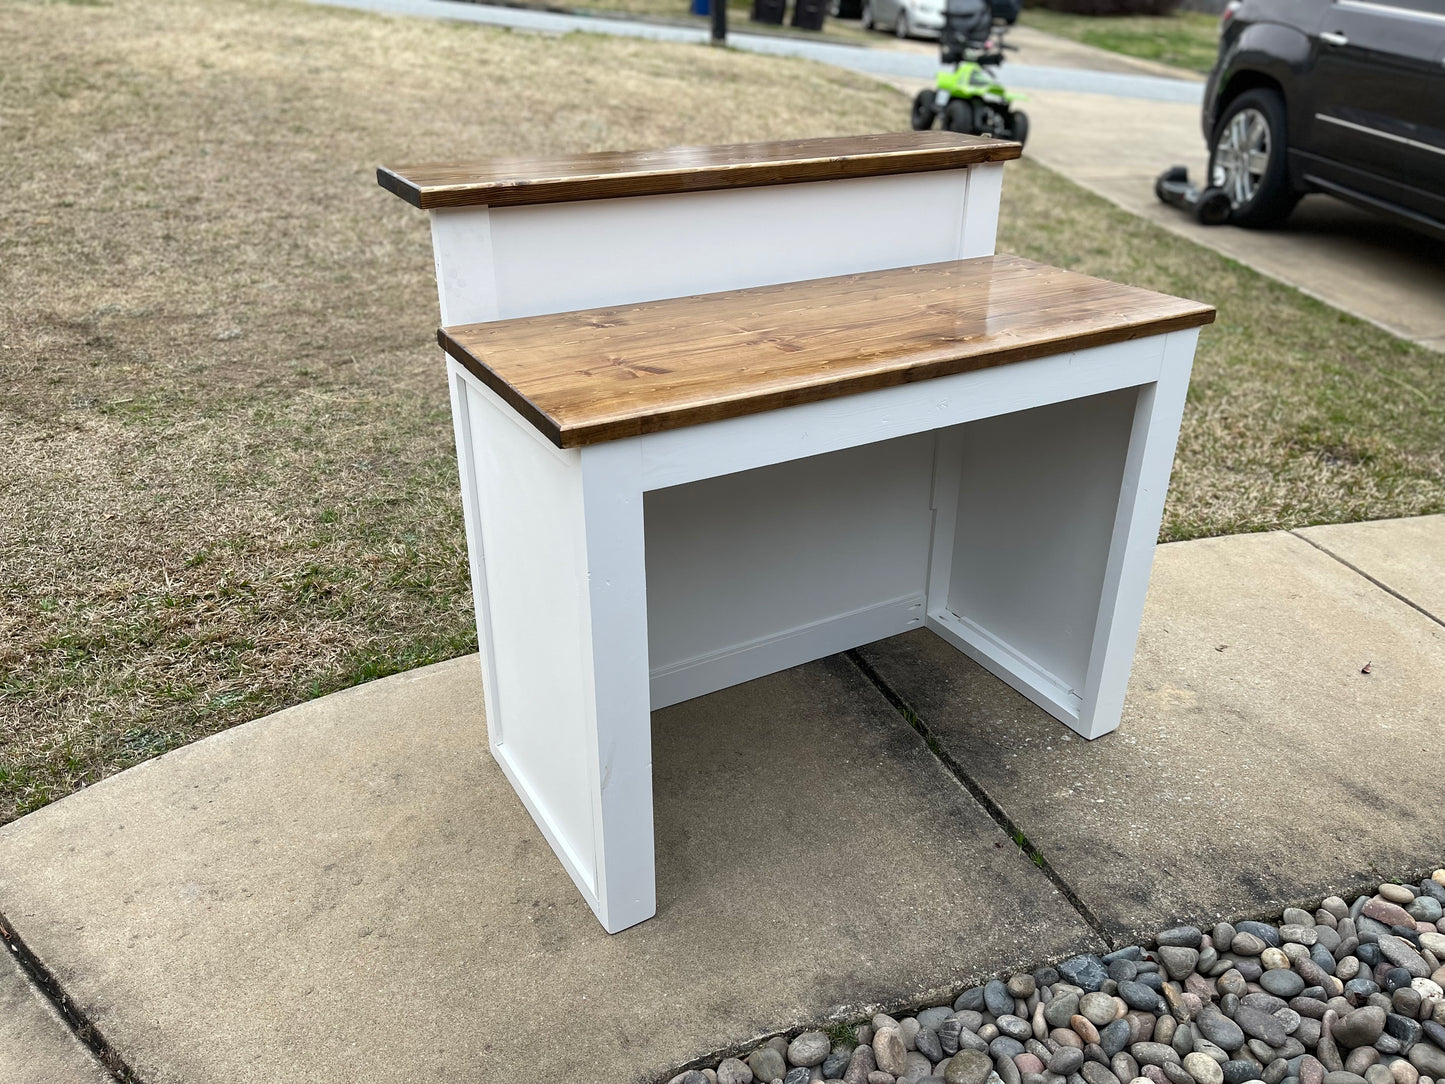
x: 1185, y: 39
x: 229, y: 484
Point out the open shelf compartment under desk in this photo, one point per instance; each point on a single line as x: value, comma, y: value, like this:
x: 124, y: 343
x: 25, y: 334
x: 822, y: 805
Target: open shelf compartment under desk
x: 995, y: 534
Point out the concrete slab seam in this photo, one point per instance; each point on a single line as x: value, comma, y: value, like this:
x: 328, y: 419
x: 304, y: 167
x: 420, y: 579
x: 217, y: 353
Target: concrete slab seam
x: 1361, y: 572
x: 75, y: 1019
x: 992, y: 808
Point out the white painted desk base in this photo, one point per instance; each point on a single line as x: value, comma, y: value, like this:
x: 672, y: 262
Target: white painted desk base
x: 632, y: 574
x: 1012, y: 510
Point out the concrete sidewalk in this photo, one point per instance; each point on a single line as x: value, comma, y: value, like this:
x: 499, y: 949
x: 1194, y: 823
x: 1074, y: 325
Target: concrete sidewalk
x: 349, y: 891
x: 36, y: 1045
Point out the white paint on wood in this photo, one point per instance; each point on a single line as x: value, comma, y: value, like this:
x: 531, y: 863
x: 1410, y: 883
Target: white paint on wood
x: 754, y: 440
x: 618, y: 725
x: 943, y: 502
x: 1038, y: 494
x: 1000, y: 659
x: 567, y: 710
x: 561, y: 257
x: 978, y: 231
x: 735, y: 663
x: 537, y: 597
x: 465, y: 265
x: 1153, y: 436
x: 472, y: 517
x: 761, y: 570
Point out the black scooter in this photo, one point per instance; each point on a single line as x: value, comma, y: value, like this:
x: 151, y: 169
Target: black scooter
x: 1209, y: 206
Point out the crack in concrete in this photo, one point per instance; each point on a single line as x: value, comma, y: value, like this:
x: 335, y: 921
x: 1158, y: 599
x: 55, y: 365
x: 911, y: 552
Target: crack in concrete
x: 982, y: 797
x: 1385, y: 587
x: 74, y: 1017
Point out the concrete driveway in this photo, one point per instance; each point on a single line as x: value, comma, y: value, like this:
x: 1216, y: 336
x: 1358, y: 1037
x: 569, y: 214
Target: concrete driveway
x: 1348, y: 258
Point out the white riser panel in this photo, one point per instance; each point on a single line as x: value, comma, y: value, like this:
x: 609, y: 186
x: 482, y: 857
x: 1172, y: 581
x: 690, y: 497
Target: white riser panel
x: 622, y: 251
x: 677, y: 456
x: 1038, y: 497
x: 533, y: 535
x: 765, y: 562
x: 791, y: 647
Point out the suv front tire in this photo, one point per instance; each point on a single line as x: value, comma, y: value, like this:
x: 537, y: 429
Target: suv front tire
x: 1247, y: 159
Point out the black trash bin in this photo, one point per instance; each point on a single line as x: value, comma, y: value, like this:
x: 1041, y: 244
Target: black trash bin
x: 769, y: 11
x: 847, y: 9
x: 808, y: 14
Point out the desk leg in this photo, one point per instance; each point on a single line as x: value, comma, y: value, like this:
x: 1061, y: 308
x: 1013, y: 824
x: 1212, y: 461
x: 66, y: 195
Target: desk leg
x: 556, y: 542
x: 1150, y: 459
x: 1043, y: 537
x: 621, y: 684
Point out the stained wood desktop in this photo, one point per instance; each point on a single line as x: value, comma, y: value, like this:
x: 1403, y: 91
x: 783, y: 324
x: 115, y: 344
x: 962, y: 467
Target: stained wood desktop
x: 602, y: 374
x: 519, y: 181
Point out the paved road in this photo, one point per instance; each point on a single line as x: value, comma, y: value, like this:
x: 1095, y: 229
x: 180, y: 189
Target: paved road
x: 897, y: 63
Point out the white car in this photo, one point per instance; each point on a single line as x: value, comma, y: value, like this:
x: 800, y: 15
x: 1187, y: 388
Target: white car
x: 906, y: 18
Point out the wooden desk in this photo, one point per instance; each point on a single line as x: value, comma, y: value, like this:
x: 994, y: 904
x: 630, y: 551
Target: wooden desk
x: 666, y: 498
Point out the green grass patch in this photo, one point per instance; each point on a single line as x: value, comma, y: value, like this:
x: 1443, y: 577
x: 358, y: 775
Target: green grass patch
x: 1185, y: 39
x: 230, y: 480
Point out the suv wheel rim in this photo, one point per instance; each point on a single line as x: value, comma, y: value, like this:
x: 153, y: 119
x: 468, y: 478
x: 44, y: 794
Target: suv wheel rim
x: 1242, y: 156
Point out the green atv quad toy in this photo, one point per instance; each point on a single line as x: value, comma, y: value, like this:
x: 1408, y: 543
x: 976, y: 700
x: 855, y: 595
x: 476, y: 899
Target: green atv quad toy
x: 969, y: 98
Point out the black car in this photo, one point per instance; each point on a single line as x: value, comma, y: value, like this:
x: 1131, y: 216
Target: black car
x: 1339, y: 96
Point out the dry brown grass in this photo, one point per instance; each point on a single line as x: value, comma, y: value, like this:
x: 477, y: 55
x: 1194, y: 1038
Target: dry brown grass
x: 228, y: 478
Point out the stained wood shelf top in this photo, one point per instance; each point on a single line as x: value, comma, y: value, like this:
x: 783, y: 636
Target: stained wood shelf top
x: 514, y: 182
x: 602, y: 374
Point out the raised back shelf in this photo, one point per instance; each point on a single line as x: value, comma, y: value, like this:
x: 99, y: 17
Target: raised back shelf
x: 519, y: 181
x: 600, y: 374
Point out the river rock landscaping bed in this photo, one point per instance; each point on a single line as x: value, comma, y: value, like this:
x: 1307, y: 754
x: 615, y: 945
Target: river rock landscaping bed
x: 1352, y: 993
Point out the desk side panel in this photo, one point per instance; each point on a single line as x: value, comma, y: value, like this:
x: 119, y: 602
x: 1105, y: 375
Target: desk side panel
x: 1136, y: 529
x: 529, y: 496
x: 458, y: 382
x: 564, y: 257
x: 1037, y: 502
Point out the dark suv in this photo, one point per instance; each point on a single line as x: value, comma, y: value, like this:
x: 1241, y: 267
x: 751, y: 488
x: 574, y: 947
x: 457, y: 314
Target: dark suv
x: 1339, y: 96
